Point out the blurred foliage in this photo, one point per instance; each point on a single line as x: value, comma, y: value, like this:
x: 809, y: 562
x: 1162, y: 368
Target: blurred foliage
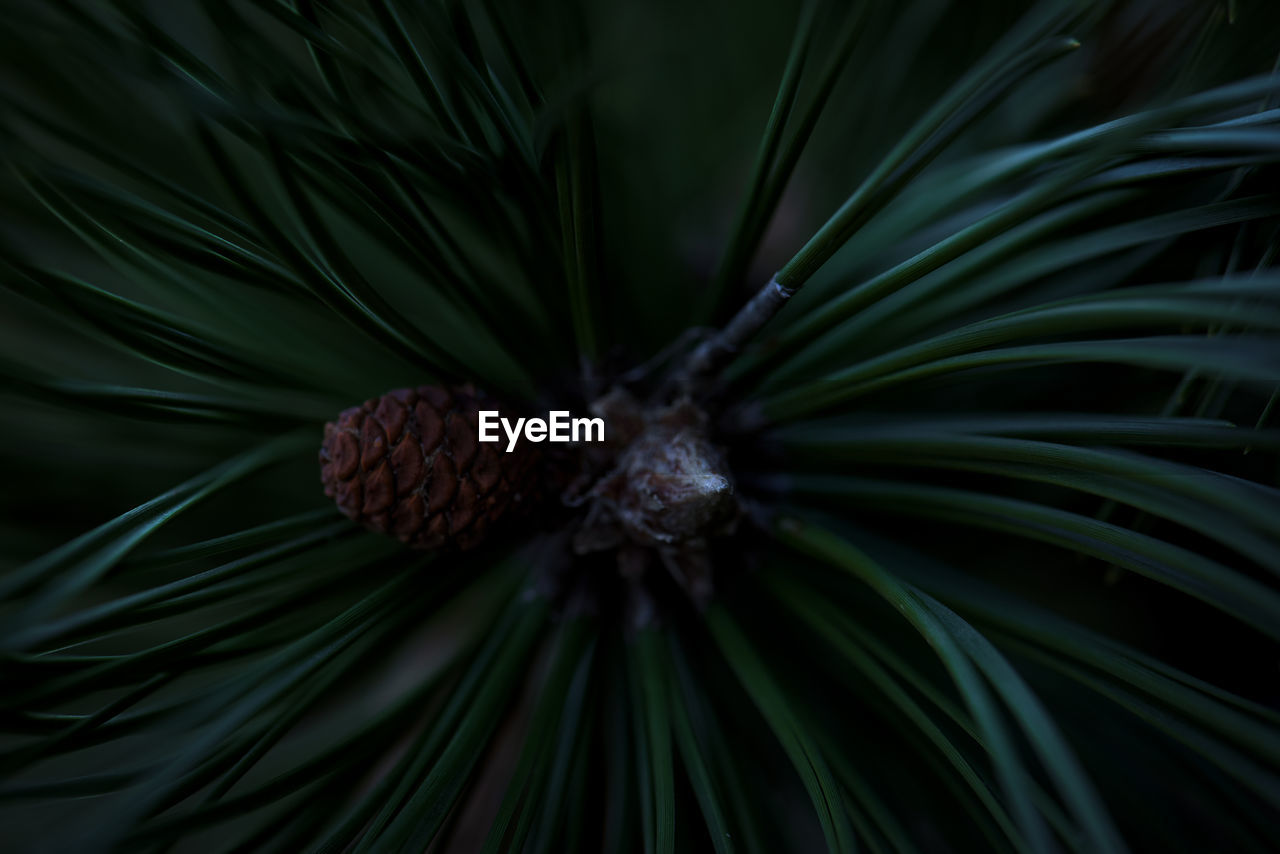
x: 1011, y: 579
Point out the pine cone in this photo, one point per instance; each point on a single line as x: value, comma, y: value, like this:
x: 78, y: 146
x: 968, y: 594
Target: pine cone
x: 410, y: 464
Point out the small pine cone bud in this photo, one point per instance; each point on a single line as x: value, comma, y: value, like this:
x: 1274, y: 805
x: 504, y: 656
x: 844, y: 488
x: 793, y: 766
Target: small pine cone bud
x: 410, y: 464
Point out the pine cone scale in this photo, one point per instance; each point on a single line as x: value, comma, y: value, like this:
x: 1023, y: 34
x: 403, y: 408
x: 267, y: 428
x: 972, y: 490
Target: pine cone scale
x: 392, y: 415
x: 379, y: 490
x: 373, y: 443
x: 444, y: 483
x: 345, y: 451
x: 407, y: 467
x: 430, y: 426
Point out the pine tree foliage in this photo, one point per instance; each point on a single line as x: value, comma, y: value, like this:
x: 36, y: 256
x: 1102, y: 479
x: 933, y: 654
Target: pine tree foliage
x: 1008, y: 579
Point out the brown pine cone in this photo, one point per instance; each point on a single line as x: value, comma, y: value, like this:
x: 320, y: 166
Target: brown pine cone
x: 410, y: 464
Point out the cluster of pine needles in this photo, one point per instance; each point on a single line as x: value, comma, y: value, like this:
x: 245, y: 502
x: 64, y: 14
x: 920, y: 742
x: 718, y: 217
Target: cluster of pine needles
x: 1010, y: 578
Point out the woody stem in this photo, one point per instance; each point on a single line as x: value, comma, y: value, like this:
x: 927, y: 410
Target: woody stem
x: 706, y: 362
